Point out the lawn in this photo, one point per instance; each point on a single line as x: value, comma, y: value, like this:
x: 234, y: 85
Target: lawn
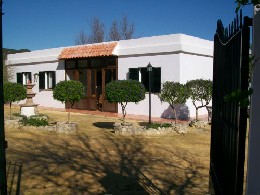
x: 96, y: 161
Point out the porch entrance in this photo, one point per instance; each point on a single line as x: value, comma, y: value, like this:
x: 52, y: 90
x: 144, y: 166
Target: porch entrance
x: 94, y: 74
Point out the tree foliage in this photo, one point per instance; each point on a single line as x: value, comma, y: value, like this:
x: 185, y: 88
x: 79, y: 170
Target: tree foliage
x: 174, y: 93
x: 122, y: 31
x: 97, y: 34
x: 127, y: 29
x: 124, y: 91
x: 81, y: 38
x: 68, y: 92
x: 200, y: 91
x: 119, y: 30
x: 8, y: 71
x: 13, y: 92
x: 241, y: 3
x: 114, y: 34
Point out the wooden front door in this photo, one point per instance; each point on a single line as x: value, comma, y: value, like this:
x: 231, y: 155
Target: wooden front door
x: 94, y: 86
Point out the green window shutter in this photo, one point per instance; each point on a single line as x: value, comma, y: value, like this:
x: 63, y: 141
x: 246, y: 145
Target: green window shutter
x: 19, y: 78
x: 30, y: 76
x: 41, y: 80
x: 145, y: 78
x: 156, y: 80
x: 134, y: 74
x: 53, y: 79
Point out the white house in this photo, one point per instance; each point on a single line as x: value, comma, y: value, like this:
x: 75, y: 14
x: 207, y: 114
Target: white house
x: 175, y: 57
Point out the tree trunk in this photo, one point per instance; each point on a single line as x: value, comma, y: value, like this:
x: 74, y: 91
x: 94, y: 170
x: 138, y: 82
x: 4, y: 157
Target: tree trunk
x: 10, y: 110
x: 197, y: 114
x: 69, y: 116
x: 123, y: 112
x: 175, y: 115
x: 71, y: 105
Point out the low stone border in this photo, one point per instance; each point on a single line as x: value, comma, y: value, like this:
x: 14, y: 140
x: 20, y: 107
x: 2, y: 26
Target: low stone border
x: 59, y: 127
x: 132, y: 129
x: 197, y: 124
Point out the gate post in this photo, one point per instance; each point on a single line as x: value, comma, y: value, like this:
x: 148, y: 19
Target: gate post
x: 253, y: 169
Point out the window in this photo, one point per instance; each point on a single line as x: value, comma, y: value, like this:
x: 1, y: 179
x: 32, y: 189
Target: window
x: 142, y: 75
x: 23, y: 77
x: 96, y: 62
x: 70, y: 64
x: 47, y: 80
x: 82, y: 63
x: 83, y: 79
x: 70, y: 74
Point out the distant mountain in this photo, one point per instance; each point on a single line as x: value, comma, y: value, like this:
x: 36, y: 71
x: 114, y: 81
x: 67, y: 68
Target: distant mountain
x: 12, y: 51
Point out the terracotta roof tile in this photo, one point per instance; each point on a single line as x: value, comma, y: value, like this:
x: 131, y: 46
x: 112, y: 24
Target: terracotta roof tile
x: 93, y: 50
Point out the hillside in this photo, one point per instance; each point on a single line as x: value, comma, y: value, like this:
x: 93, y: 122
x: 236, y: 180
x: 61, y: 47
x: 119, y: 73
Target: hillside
x: 7, y: 51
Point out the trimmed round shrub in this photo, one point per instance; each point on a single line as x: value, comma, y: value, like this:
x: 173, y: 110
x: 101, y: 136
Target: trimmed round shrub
x: 13, y: 92
x: 124, y: 91
x: 68, y: 92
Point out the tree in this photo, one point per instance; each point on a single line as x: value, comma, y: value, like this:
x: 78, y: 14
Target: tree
x: 127, y: 29
x: 68, y: 92
x: 114, y: 34
x: 81, y: 38
x: 8, y: 71
x: 174, y: 93
x: 124, y: 91
x: 13, y: 92
x: 241, y: 3
x: 121, y: 30
x: 200, y: 90
x: 97, y: 34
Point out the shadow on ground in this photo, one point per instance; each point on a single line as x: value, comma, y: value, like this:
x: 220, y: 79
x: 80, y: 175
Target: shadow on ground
x: 14, y: 176
x: 104, y: 125
x: 102, y: 163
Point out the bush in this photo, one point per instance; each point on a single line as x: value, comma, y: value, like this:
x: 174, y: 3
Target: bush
x: 13, y: 92
x: 157, y: 125
x: 174, y: 93
x: 124, y: 91
x: 31, y: 121
x: 200, y: 91
x: 69, y: 92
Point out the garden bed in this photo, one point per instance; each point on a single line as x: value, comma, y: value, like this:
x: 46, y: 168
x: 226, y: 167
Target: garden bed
x: 40, y: 122
x: 154, y: 129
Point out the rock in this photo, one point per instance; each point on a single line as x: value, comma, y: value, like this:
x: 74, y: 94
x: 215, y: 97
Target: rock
x: 67, y: 128
x: 195, y: 123
x: 131, y: 129
x: 12, y: 123
x: 50, y: 128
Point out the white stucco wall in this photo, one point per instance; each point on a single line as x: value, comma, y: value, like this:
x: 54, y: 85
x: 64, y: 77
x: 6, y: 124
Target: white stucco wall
x: 181, y: 58
x: 195, y: 67
x: 35, y: 62
x: 170, y: 68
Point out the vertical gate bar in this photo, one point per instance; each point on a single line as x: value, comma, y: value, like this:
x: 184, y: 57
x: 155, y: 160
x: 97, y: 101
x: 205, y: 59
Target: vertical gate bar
x: 228, y: 128
x: 243, y: 110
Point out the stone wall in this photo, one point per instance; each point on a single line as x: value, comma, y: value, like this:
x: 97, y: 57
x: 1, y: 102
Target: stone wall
x: 59, y: 127
x: 133, y: 129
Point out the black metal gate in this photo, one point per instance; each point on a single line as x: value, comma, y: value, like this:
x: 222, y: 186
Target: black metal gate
x: 229, y: 118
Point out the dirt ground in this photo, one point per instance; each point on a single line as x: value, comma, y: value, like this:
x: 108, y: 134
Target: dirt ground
x: 96, y: 161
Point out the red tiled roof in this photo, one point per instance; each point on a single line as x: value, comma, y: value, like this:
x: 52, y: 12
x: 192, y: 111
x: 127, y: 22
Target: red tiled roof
x: 83, y: 51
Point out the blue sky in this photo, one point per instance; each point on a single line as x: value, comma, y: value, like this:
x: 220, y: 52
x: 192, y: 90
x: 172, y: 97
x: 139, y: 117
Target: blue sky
x: 42, y: 24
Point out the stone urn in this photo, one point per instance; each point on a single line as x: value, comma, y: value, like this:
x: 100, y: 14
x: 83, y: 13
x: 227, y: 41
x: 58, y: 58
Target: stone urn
x: 29, y: 108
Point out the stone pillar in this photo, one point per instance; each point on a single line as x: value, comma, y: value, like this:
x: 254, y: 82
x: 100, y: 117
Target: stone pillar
x: 253, y: 169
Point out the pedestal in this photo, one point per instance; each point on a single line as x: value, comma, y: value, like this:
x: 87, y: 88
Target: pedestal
x: 28, y: 110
